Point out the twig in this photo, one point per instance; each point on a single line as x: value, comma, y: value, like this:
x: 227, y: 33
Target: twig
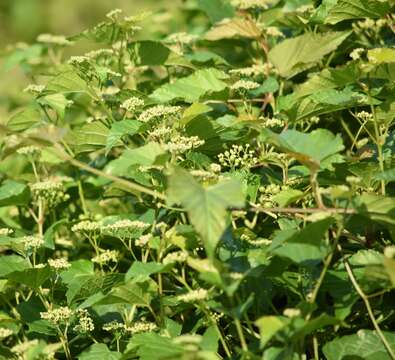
x: 302, y: 210
x: 368, y: 307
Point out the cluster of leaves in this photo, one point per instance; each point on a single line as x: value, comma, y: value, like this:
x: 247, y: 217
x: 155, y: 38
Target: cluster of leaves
x: 223, y: 192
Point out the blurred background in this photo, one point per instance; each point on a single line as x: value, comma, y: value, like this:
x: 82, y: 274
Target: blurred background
x: 23, y: 20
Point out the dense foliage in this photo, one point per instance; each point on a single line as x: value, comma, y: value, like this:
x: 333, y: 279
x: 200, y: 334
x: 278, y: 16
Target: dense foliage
x: 222, y: 192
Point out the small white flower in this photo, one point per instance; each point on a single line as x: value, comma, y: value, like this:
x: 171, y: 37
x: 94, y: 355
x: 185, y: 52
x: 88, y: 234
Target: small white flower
x: 194, y: 295
x: 291, y: 312
x: 4, y: 333
x: 274, y: 31
x: 113, y: 326
x: 113, y: 14
x: 175, y: 257
x: 356, y: 53
x: 141, y: 326
x: 54, y: 39
x: 143, y: 240
x: 34, y: 89
x: 56, y: 316
x: 245, y: 85
x: 132, y: 104
x: 59, y: 264
x: 6, y: 231
x: 180, y: 144
x: 85, y: 322
x: 106, y: 256
x: 29, y: 150
x: 158, y: 111
x: 32, y: 242
x: 86, y: 226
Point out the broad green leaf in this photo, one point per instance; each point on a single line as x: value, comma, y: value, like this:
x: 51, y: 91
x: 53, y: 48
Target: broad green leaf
x: 216, y: 10
x: 356, y: 9
x: 140, y: 271
x: 11, y: 263
x: 315, y: 149
x: 13, y: 193
x: 286, y: 197
x: 365, y: 344
x: 89, y: 137
x: 192, y: 87
x: 67, y: 82
x: 149, y: 52
x: 269, y: 326
x: 32, y: 278
x: 304, y: 246
x: 381, y: 56
x: 153, y: 346
x: 295, y: 55
x: 233, y: 28
x: 24, y: 119
x: 76, y: 276
x: 58, y: 102
x: 206, y: 207
x: 131, y: 293
x: 147, y: 154
x: 120, y: 129
x: 99, y: 351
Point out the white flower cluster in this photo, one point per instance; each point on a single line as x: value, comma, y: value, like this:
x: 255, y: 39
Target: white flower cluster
x: 94, y: 54
x: 356, y: 53
x: 291, y: 312
x: 256, y: 69
x: 32, y: 242
x: 194, y: 295
x: 22, y: 348
x: 158, y: 111
x: 51, y: 191
x: 132, y: 104
x: 86, y: 226
x: 272, y: 122
x: 268, y: 191
x: 274, y: 31
x: 59, y: 264
x: 34, y: 89
x: 54, y: 39
x: 245, y: 85
x: 365, y: 116
x: 175, y: 257
x: 160, y: 133
x: 30, y: 150
x: 113, y: 326
x: 215, y: 168
x: 57, y: 316
x: 255, y: 242
x: 204, y: 174
x: 370, y: 24
x: 143, y: 240
x: 238, y: 156
x: 141, y: 326
x: 6, y: 231
x: 106, y: 256
x: 114, y: 14
x: 78, y: 60
x: 5, y: 332
x: 249, y: 4
x: 182, y: 38
x: 181, y: 144
x: 85, y: 322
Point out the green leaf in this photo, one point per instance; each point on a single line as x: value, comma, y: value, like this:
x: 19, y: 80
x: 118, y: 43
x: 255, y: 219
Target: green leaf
x: 89, y: 137
x: 140, y: 272
x: 295, y: 55
x: 149, y: 52
x: 153, y: 346
x: 315, y: 149
x: 269, y: 326
x: 365, y: 344
x: 206, y: 207
x: 233, y: 28
x: 120, y: 129
x: 11, y: 263
x: 381, y: 56
x: 58, y: 102
x: 144, y: 155
x: 67, y: 82
x: 286, y: 197
x: 99, y: 351
x: 304, y: 246
x: 24, y: 119
x: 33, y: 278
x: 13, y: 193
x: 216, y: 10
x: 131, y: 293
x: 356, y: 9
x: 76, y: 276
x: 193, y: 87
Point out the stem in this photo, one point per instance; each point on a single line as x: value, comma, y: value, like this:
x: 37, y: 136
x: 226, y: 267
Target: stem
x: 241, y: 335
x: 368, y: 307
x: 316, y: 190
